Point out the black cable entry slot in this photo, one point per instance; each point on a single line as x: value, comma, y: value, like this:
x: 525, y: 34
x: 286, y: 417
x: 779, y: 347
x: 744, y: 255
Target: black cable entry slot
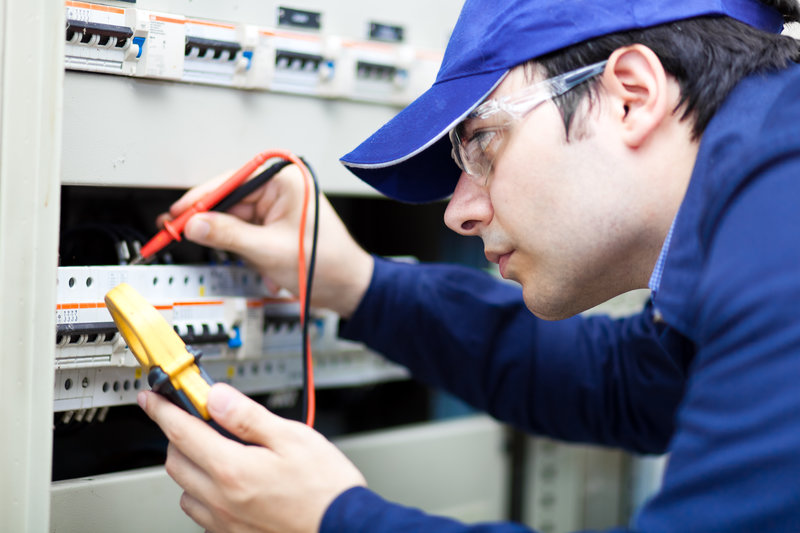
x: 217, y: 46
x: 105, y: 31
x: 278, y: 321
x: 387, y: 71
x: 206, y: 336
x: 95, y: 332
x: 297, y: 18
x: 293, y: 56
x: 386, y: 32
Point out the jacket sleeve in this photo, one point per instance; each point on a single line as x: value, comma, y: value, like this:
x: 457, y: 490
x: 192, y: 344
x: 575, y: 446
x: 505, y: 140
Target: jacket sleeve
x: 359, y: 510
x: 594, y: 380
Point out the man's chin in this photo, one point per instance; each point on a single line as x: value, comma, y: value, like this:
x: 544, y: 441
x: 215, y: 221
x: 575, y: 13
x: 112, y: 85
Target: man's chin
x: 551, y: 308
x: 549, y: 312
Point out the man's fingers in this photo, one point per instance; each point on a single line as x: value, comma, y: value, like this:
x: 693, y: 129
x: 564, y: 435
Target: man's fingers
x: 197, y: 511
x: 176, y: 423
x: 189, y: 475
x: 197, y: 440
x: 160, y: 219
x: 195, y: 193
x: 245, y: 418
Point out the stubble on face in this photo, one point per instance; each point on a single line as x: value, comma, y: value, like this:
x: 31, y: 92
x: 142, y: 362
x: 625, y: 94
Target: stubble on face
x: 564, y: 209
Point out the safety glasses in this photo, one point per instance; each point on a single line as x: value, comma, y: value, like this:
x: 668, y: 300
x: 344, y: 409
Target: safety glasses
x: 478, y: 138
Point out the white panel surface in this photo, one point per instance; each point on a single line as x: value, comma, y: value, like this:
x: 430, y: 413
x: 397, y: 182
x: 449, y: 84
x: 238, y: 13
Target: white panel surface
x: 146, y: 133
x: 456, y: 468
x: 127, y: 502
x: 31, y: 63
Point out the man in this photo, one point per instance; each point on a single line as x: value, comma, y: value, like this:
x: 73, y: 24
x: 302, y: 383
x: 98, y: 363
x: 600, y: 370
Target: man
x: 603, y: 145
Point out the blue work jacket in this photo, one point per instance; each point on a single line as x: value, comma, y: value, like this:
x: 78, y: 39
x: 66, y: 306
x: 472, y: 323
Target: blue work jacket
x: 709, y: 371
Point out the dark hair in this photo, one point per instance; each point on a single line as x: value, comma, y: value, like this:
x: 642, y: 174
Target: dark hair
x: 708, y: 56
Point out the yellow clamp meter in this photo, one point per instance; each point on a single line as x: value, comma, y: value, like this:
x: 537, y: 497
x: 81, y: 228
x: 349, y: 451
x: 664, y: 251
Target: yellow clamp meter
x: 173, y: 369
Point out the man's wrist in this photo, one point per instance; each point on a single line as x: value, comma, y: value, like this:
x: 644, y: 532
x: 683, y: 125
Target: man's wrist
x: 344, y: 295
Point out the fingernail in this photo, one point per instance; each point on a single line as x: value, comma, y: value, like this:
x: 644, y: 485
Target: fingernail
x: 197, y: 228
x: 141, y: 399
x: 220, y: 400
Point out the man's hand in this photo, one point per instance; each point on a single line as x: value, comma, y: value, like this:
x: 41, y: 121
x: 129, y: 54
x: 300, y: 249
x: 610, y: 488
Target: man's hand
x: 283, y: 483
x: 264, y: 229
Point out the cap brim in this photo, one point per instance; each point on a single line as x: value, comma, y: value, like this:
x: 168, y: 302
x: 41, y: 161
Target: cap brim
x: 408, y: 159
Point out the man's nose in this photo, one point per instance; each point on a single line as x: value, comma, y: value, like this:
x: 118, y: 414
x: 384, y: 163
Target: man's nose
x: 469, y: 209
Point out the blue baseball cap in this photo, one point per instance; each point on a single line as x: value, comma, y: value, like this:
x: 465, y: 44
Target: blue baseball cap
x: 408, y: 159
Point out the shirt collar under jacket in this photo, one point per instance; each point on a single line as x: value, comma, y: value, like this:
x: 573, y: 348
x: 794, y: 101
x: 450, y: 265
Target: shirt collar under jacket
x: 745, y: 133
x: 658, y: 271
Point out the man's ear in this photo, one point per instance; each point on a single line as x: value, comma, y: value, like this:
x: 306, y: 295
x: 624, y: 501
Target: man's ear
x: 636, y: 83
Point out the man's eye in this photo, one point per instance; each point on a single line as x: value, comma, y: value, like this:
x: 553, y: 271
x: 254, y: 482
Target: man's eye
x: 483, y: 139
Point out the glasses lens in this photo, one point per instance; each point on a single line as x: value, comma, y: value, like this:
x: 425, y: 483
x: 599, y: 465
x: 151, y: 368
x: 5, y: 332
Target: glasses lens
x: 455, y: 152
x: 477, y: 161
x: 469, y: 153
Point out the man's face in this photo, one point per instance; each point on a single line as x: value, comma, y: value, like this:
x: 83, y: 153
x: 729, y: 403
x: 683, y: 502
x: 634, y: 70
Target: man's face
x: 561, y: 218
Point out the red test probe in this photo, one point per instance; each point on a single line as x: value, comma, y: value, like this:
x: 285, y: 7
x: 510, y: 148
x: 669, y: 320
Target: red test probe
x: 173, y: 228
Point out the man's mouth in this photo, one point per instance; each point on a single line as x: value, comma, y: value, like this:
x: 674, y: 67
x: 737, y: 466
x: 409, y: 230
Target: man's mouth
x: 502, y: 262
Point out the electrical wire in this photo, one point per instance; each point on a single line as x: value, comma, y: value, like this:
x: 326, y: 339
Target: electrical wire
x: 309, y: 398
x: 243, y: 190
x: 124, y: 239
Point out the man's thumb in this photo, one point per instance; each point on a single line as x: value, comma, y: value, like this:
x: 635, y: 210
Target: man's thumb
x: 217, y: 230
x: 241, y: 416
x: 197, y: 228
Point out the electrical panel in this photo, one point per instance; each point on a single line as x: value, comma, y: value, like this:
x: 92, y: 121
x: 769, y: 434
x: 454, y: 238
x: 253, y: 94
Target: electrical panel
x: 184, y: 83
x: 292, y: 51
